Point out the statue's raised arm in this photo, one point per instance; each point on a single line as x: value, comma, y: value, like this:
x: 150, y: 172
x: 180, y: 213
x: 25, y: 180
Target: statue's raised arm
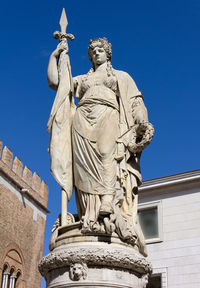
x: 52, y: 70
x: 60, y: 121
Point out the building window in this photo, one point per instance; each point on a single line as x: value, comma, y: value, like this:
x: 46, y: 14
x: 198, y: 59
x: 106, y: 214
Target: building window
x: 149, y: 222
x: 158, y: 279
x: 150, y: 218
x: 12, y: 268
x: 18, y: 278
x: 155, y: 281
x: 9, y: 277
x: 5, y: 276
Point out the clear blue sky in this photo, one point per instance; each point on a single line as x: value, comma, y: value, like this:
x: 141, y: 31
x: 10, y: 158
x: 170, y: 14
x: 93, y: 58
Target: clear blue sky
x: 156, y: 42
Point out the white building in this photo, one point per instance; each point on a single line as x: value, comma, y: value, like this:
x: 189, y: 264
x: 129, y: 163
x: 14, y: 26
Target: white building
x: 169, y: 212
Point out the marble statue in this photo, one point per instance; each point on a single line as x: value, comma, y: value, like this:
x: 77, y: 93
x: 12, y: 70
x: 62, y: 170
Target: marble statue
x: 96, y: 146
x: 95, y: 149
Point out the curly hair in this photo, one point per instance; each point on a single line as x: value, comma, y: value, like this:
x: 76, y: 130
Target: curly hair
x: 100, y: 42
x: 103, y: 43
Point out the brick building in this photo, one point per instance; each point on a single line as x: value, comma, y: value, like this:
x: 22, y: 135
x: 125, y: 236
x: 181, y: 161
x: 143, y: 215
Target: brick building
x: 23, y: 208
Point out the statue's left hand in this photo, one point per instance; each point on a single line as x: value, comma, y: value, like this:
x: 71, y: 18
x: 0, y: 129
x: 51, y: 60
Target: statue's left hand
x: 142, y: 135
x: 141, y: 129
x: 62, y: 46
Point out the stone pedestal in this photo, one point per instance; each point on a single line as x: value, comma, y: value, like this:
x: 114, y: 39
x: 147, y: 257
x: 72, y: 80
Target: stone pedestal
x: 93, y: 261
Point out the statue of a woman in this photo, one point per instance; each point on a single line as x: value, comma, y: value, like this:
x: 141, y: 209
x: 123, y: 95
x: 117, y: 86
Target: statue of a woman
x: 96, y: 146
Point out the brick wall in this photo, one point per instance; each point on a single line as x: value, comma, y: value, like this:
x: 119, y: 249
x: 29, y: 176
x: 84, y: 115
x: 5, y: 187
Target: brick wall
x: 23, y: 208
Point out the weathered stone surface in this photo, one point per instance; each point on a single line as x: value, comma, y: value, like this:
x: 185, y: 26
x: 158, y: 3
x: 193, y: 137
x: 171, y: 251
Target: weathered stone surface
x: 100, y: 264
x: 98, y: 254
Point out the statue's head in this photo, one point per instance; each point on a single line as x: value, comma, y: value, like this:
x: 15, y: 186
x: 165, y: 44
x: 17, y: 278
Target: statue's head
x: 101, y: 43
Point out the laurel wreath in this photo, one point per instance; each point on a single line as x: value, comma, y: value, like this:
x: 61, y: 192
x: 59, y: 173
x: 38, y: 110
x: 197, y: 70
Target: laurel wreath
x: 141, y: 137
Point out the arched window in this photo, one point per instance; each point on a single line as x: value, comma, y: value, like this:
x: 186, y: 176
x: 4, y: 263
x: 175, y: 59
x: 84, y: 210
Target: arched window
x: 18, y: 275
x: 5, y: 275
x: 12, y: 268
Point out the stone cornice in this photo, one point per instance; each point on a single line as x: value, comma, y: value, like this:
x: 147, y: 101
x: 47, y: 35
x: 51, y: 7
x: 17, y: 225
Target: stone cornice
x: 181, y: 178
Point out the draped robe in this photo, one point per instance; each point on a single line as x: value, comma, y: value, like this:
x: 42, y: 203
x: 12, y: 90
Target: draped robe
x: 128, y: 164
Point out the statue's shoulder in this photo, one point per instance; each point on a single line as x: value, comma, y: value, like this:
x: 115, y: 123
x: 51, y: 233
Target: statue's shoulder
x: 125, y: 80
x: 122, y: 74
x: 78, y: 79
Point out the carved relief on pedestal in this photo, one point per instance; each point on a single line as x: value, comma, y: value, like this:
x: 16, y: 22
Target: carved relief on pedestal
x: 95, y: 254
x: 96, y: 264
x: 78, y: 271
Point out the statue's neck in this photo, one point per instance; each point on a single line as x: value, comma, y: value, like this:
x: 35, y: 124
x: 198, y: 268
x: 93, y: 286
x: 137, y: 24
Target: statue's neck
x: 101, y: 67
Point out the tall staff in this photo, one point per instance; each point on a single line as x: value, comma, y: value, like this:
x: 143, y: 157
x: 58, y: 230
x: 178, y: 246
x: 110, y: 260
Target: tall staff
x: 60, y: 121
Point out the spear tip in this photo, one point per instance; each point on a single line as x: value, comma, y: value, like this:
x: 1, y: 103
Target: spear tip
x: 63, y: 21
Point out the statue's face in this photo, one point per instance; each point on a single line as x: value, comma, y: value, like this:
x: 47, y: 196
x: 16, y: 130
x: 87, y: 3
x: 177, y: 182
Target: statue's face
x: 99, y: 56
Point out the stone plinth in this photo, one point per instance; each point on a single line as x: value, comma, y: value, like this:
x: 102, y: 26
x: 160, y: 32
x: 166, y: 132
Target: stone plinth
x: 93, y: 261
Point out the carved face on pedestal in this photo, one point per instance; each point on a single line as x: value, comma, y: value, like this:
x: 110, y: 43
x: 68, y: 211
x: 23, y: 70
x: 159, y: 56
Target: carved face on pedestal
x: 78, y: 271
